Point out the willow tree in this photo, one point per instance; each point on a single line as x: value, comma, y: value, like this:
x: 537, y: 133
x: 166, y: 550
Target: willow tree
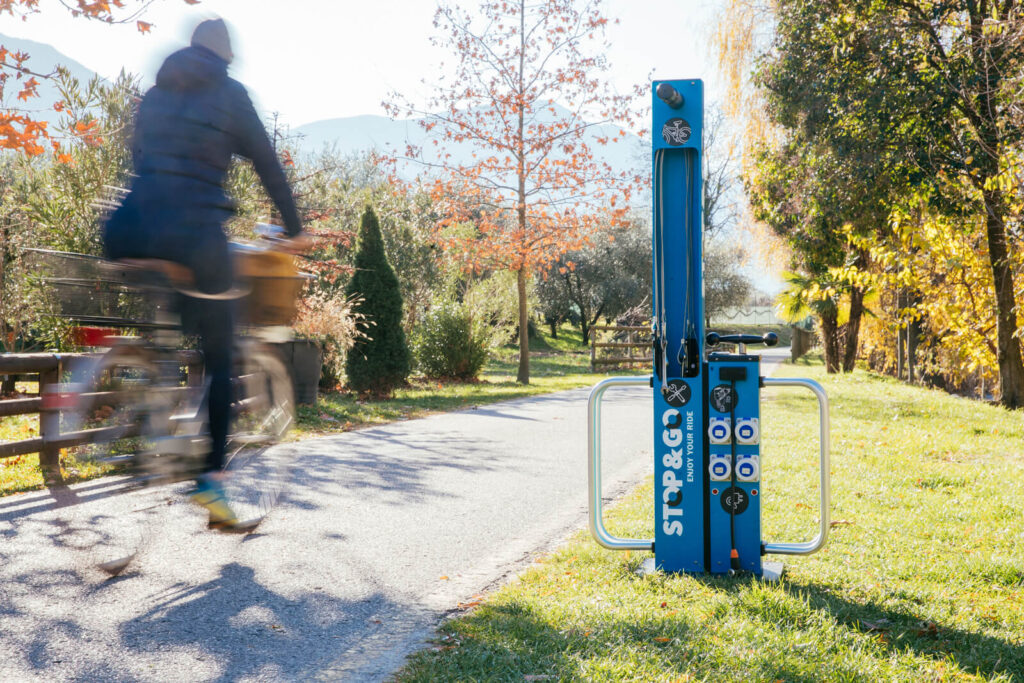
x: 529, y: 103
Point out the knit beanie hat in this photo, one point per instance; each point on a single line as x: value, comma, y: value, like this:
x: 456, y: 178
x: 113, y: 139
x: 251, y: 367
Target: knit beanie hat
x: 213, y: 35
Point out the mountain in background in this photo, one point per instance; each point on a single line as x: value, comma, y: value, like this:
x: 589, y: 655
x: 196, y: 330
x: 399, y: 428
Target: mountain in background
x: 43, y: 59
x: 348, y: 136
x: 359, y: 134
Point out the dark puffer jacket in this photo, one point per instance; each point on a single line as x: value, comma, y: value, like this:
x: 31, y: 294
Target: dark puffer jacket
x: 188, y: 127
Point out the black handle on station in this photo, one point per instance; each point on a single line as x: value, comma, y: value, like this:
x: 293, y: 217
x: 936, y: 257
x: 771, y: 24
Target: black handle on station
x: 768, y: 339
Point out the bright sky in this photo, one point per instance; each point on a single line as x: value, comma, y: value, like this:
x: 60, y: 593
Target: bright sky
x: 318, y: 59
x: 309, y: 60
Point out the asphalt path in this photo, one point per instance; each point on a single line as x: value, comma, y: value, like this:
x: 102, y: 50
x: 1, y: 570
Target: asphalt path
x: 383, y: 533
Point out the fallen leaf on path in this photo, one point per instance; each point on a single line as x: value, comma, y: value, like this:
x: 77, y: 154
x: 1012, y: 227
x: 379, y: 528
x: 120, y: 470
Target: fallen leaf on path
x: 662, y: 640
x: 841, y: 522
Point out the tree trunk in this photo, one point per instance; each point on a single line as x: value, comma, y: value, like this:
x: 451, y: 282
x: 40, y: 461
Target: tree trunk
x: 830, y: 341
x: 900, y: 337
x: 984, y: 54
x: 852, y: 328
x: 523, y: 376
x: 912, y: 335
x: 586, y: 327
x: 1011, y: 367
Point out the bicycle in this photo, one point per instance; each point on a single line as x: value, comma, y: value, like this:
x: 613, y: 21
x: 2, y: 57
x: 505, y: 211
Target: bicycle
x: 142, y: 418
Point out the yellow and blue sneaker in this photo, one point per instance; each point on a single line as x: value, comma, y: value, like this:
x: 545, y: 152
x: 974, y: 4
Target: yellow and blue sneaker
x: 210, y: 494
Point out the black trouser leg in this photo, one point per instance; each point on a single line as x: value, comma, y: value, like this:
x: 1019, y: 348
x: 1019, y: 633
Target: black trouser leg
x: 216, y: 330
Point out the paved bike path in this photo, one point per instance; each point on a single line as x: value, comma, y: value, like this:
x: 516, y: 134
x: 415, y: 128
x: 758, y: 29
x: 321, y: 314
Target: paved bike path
x: 385, y: 531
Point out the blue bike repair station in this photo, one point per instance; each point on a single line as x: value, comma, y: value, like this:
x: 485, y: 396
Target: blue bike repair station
x: 707, y: 408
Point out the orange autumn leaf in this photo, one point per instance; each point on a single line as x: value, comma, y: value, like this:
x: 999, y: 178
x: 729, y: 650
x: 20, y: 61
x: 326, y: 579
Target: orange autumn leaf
x: 22, y: 132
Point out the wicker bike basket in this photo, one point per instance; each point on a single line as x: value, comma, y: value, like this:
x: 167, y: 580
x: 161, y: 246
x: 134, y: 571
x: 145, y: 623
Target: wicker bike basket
x: 274, y: 284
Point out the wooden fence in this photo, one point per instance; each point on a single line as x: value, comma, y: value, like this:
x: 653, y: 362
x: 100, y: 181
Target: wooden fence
x: 51, y: 369
x: 626, y: 340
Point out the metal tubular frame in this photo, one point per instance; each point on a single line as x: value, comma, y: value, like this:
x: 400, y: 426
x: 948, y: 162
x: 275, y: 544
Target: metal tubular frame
x: 597, y: 529
x: 825, y: 488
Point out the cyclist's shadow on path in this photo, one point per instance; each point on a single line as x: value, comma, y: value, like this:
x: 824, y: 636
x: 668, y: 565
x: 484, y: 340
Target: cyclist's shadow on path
x: 246, y: 629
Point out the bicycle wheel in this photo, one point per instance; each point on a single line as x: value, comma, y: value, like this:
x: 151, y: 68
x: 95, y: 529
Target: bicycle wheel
x: 262, y: 412
x: 124, y: 414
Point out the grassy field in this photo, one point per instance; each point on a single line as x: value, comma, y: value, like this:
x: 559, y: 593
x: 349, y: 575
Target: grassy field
x: 555, y: 364
x: 922, y: 578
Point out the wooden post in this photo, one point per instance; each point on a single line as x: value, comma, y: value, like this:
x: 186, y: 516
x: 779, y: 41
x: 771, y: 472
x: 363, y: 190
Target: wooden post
x: 593, y: 349
x: 49, y: 428
x: 194, y: 373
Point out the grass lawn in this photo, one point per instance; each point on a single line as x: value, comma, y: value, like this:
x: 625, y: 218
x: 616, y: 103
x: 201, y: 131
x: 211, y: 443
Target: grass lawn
x: 555, y: 364
x: 922, y: 578
x: 20, y: 473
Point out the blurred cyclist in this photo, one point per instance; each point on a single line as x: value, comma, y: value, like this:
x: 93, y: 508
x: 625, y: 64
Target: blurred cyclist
x: 188, y: 127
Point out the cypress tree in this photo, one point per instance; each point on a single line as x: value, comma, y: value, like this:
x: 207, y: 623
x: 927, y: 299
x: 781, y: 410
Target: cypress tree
x: 379, y: 362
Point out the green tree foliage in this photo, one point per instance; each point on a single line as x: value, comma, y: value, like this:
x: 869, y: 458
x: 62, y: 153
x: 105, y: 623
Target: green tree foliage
x: 909, y: 108
x: 793, y: 192
x: 725, y: 285
x: 333, y: 190
x: 379, y: 362
x: 610, y: 275
x: 450, y: 342
x: 58, y: 203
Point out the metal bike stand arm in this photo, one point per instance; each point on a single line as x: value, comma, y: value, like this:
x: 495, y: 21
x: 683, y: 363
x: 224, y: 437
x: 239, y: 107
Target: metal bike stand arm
x: 597, y: 528
x: 825, y: 488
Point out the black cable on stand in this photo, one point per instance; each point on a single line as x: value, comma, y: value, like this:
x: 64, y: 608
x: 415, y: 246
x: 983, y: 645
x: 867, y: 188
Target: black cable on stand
x: 734, y: 556
x: 660, y: 336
